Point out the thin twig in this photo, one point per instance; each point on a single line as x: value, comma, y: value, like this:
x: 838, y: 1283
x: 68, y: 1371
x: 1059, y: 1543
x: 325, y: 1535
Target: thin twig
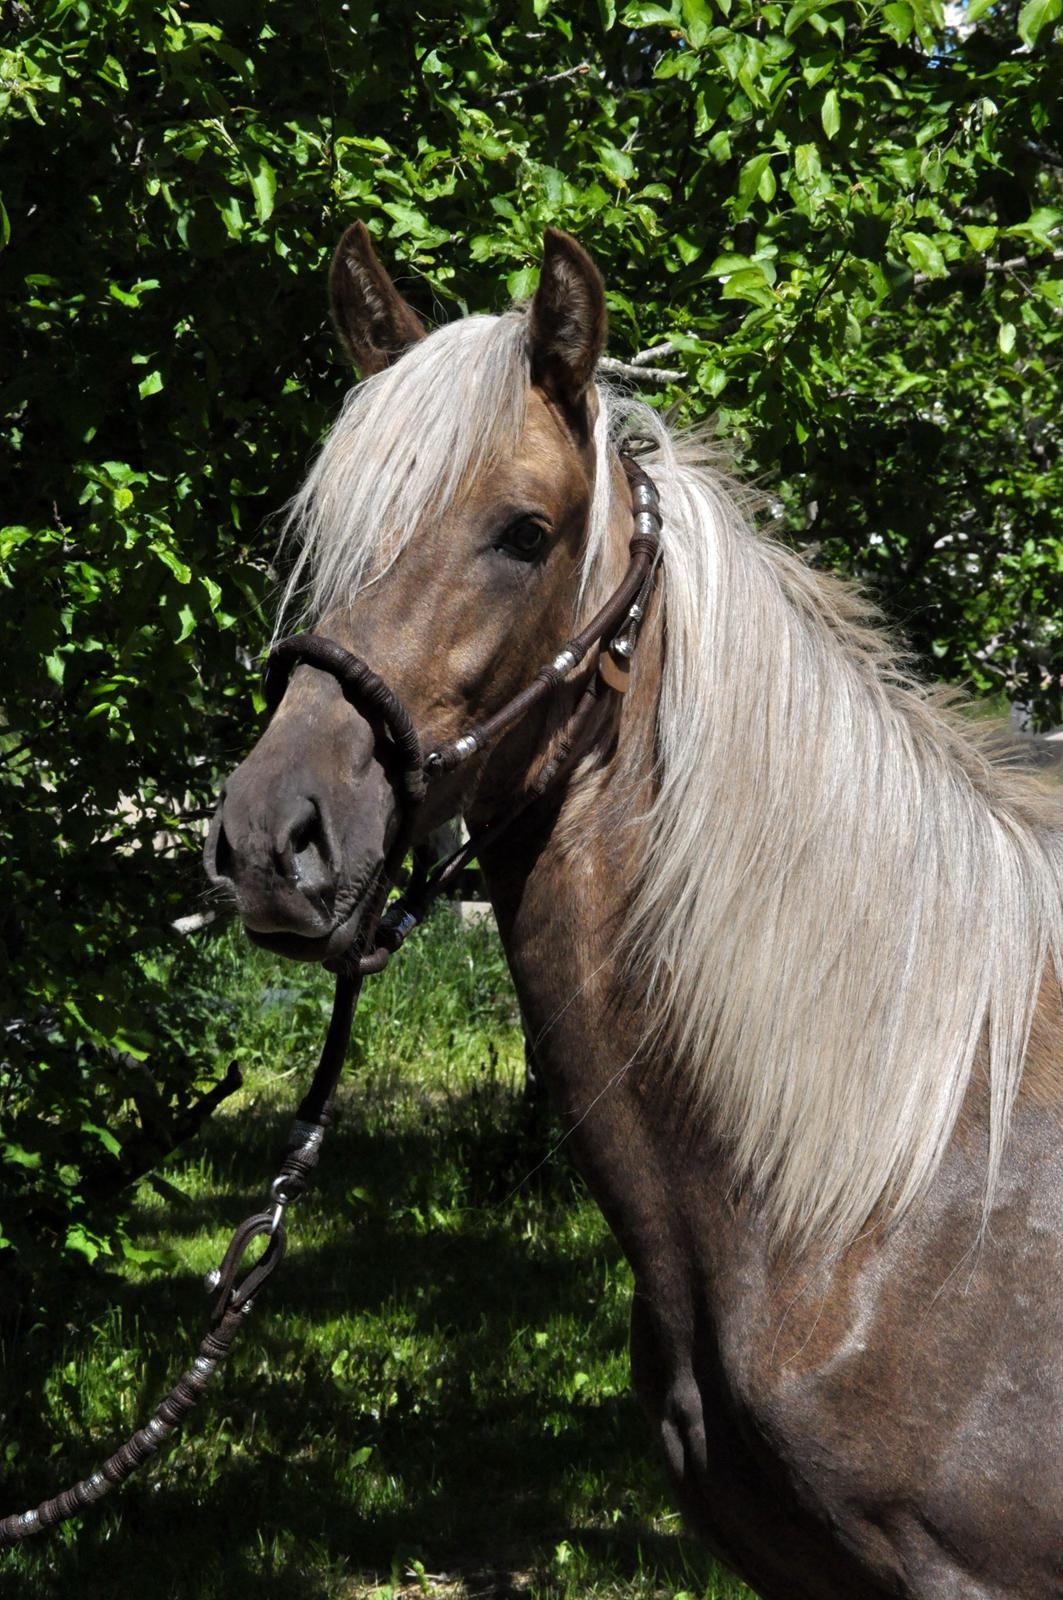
x: 331, y: 78
x: 539, y: 83
x: 628, y: 369
x: 976, y: 264
x: 646, y: 358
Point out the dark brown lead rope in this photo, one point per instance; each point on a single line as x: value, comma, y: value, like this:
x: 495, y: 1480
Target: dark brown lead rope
x: 616, y: 627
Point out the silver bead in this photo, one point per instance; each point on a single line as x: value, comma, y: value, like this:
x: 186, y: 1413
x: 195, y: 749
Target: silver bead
x: 304, y: 1135
x: 564, y: 662
x: 212, y: 1279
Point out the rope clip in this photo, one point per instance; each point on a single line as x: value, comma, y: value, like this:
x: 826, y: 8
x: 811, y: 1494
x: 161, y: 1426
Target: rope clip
x: 230, y: 1295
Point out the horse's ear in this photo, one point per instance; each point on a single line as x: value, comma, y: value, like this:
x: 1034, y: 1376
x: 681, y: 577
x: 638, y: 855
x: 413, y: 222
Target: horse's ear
x: 568, y: 321
x: 373, y: 321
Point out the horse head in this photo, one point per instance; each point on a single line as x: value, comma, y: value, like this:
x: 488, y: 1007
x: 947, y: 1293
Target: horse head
x: 444, y: 529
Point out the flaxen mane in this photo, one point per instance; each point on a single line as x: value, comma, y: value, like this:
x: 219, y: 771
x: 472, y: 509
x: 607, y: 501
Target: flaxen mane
x: 844, y: 897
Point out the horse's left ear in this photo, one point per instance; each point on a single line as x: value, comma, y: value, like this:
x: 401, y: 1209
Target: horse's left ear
x: 568, y: 321
x: 372, y: 319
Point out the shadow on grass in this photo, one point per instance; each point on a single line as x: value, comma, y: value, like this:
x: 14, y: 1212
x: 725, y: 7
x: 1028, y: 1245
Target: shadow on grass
x: 321, y: 1458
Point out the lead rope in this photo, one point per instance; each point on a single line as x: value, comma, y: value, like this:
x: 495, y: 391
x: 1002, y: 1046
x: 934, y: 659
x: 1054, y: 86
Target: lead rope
x: 616, y: 628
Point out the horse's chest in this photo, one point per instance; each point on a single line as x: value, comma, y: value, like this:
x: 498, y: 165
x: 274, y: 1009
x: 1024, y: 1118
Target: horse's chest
x: 730, y: 1455
x: 860, y: 1433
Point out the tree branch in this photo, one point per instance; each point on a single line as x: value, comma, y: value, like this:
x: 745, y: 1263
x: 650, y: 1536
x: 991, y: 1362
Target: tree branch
x: 628, y: 369
x: 538, y: 83
x: 158, y: 1134
x: 975, y: 264
x: 654, y: 353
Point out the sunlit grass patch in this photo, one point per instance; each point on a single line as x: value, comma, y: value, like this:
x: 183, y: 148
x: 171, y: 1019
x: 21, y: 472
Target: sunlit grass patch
x: 432, y: 1397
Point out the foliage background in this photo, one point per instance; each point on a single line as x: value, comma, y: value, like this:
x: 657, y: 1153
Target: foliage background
x: 840, y: 219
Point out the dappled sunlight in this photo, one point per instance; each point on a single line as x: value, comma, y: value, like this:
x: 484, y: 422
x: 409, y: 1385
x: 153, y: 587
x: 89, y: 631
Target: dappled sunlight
x: 433, y: 1396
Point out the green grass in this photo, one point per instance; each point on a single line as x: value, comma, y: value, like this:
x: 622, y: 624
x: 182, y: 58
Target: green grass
x: 431, y: 1396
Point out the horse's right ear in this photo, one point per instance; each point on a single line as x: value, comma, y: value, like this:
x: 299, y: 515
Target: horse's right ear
x: 567, y: 321
x: 373, y: 321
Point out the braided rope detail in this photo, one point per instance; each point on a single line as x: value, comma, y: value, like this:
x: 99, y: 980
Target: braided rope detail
x: 138, y: 1448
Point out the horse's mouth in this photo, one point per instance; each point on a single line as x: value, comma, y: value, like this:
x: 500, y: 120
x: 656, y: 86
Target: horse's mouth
x: 297, y: 947
x: 357, y: 925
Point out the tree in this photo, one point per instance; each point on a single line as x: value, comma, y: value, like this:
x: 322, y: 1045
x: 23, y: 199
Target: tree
x: 837, y: 223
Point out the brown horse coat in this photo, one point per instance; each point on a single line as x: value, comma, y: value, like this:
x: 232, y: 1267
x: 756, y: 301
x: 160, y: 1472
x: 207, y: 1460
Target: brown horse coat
x: 845, y: 1411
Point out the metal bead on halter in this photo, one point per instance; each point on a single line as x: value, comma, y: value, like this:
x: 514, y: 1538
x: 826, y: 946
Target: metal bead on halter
x: 643, y: 548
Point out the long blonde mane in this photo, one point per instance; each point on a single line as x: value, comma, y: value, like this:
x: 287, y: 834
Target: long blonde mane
x: 846, y: 903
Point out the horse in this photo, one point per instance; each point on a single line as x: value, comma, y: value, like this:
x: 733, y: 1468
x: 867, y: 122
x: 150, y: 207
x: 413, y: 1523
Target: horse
x: 786, y: 933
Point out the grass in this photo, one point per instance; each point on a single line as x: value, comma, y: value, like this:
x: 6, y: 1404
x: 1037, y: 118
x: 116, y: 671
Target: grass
x: 431, y: 1397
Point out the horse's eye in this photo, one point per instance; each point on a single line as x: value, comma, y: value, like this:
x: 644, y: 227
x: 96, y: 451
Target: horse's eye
x: 523, y: 539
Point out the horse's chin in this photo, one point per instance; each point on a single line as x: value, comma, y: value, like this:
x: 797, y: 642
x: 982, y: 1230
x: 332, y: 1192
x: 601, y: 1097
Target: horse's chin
x: 316, y: 948
x: 299, y: 948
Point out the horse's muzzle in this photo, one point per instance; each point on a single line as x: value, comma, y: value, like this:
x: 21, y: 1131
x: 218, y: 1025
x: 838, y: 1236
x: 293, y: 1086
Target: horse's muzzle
x: 302, y: 832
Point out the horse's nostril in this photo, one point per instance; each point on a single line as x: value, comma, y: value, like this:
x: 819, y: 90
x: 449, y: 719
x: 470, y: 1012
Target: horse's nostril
x: 306, y: 855
x: 303, y: 834
x: 311, y: 872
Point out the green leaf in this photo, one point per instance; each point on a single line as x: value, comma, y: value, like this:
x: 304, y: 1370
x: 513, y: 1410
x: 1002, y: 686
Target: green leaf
x: 924, y: 255
x: 748, y: 285
x: 84, y: 1243
x: 617, y: 163
x: 181, y: 571
x: 804, y: 11
x: 647, y: 16
x: 150, y: 385
x: 899, y: 20
x: 807, y: 164
x: 830, y: 113
x: 697, y: 21
x: 1035, y: 16
x: 1041, y: 225
x: 607, y: 13
x: 520, y: 284
x: 30, y: 1159
x: 726, y: 263
x: 981, y: 238
x: 409, y: 219
x: 264, y: 188
x: 104, y: 1137
x: 749, y: 181
x: 5, y: 227
x: 1006, y: 338
x: 976, y: 9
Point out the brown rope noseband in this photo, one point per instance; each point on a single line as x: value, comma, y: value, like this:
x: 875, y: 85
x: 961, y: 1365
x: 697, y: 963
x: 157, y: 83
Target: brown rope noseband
x: 615, y: 629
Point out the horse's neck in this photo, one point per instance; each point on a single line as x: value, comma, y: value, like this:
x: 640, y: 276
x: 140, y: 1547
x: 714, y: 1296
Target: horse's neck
x: 561, y: 894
